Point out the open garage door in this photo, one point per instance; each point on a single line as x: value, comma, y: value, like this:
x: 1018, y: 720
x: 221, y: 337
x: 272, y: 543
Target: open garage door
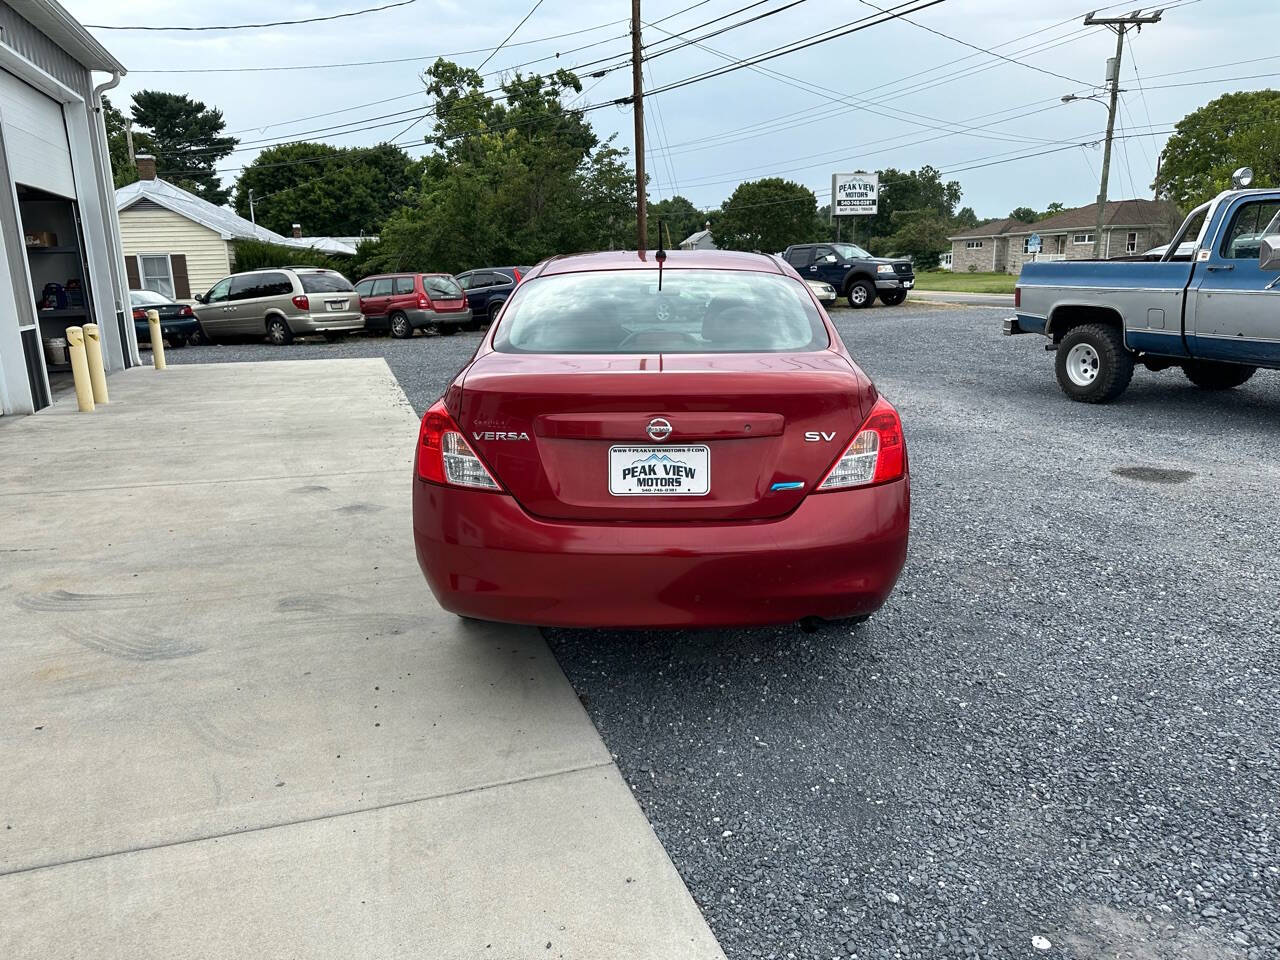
x: 35, y: 137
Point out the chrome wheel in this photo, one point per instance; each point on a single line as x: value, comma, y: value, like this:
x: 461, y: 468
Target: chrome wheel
x: 400, y: 328
x: 1083, y: 364
x: 858, y: 295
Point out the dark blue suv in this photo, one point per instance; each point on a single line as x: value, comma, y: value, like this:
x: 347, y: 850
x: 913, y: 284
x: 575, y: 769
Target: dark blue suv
x: 487, y: 290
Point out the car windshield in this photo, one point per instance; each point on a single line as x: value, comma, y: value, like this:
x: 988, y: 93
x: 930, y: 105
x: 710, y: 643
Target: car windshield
x: 442, y: 287
x: 850, y: 251
x: 147, y: 298
x: 324, y: 283
x: 696, y: 311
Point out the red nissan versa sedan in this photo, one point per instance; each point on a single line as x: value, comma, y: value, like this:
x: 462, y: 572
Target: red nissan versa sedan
x: 690, y: 445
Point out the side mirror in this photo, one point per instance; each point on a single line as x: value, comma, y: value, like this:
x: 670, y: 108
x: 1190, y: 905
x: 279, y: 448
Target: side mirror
x: 1269, y: 253
x: 829, y: 258
x: 199, y: 298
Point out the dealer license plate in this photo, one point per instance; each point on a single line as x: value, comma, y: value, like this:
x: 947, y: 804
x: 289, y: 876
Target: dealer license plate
x: 336, y: 305
x: 909, y: 284
x: 660, y: 471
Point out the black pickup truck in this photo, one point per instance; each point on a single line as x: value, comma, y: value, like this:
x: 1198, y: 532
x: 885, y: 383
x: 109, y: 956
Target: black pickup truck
x: 854, y: 273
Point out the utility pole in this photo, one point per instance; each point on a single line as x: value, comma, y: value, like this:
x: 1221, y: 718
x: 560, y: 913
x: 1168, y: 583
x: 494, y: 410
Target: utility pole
x: 128, y: 136
x: 252, y: 218
x: 1119, y: 24
x: 637, y: 101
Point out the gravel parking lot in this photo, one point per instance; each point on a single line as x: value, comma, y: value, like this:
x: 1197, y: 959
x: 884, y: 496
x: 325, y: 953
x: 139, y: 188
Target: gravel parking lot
x: 1060, y: 738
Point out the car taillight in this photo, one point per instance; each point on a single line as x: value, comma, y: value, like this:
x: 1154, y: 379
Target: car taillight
x: 444, y: 455
x: 1017, y: 297
x: 517, y: 275
x: 301, y: 302
x: 878, y: 454
x: 424, y: 302
x: 139, y: 313
x: 186, y: 312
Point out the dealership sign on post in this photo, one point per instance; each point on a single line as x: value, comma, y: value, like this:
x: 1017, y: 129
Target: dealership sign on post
x: 855, y: 194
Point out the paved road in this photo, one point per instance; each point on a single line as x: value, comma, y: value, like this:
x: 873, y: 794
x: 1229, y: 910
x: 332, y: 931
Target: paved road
x: 1065, y: 723
x: 966, y: 299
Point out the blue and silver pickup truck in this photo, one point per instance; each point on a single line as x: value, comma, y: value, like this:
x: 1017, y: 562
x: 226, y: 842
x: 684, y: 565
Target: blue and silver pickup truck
x: 1210, y: 304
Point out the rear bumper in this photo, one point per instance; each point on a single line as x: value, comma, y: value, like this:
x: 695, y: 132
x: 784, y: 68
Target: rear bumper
x: 326, y: 322
x: 837, y: 555
x: 434, y: 318
x: 168, y: 328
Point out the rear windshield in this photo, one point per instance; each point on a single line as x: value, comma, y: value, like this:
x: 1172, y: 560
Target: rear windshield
x: 324, y: 283
x: 696, y: 311
x: 442, y: 288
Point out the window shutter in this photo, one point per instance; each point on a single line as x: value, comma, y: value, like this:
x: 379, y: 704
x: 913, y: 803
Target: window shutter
x: 131, y: 271
x: 181, y: 284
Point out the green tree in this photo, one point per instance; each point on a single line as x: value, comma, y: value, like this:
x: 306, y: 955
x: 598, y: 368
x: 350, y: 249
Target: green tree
x: 965, y: 219
x: 186, y: 139
x: 921, y: 235
x: 330, y: 191
x: 123, y: 170
x: 1207, y: 145
x: 922, y: 189
x: 1025, y: 214
x: 766, y: 215
x: 1053, y: 209
x: 513, y: 178
x: 681, y: 217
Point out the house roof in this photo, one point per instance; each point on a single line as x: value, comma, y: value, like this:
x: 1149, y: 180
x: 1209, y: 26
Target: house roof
x: 1116, y: 213
x: 695, y: 238
x: 53, y: 21
x: 226, y: 223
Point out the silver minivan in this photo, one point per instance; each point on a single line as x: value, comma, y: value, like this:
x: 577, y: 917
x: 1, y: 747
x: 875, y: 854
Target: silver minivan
x: 280, y: 304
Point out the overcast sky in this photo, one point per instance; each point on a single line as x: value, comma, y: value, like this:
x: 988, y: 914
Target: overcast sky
x: 890, y: 95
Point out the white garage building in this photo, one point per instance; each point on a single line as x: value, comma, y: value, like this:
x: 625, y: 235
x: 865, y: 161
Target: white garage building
x: 62, y: 258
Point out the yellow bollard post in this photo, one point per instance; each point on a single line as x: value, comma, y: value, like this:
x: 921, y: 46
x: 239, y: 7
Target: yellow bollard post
x: 97, y: 373
x: 80, y: 369
x: 157, y: 342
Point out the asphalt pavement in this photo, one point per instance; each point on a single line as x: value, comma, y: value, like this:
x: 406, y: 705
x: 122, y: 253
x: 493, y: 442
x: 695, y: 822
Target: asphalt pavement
x: 1059, y: 738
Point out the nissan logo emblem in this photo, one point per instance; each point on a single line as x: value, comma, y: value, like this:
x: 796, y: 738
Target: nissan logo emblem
x: 658, y: 429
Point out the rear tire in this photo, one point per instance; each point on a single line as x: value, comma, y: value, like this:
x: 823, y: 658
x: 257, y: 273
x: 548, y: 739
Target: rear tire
x: 1092, y: 363
x: 177, y: 342
x: 861, y: 294
x: 893, y: 297
x: 494, y: 310
x: 401, y: 328
x: 1211, y: 375
x: 278, y: 331
x: 446, y: 329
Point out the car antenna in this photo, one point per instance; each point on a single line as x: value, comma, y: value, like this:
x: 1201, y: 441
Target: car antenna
x: 661, y: 254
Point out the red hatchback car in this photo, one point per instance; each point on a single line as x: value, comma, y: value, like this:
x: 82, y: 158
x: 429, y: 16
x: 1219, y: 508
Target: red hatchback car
x: 676, y: 447
x: 404, y: 302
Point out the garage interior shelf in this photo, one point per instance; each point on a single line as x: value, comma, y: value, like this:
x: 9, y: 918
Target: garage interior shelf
x: 52, y: 250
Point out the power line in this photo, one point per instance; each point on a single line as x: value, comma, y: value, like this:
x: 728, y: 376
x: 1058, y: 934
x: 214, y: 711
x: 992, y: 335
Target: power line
x: 972, y: 46
x: 258, y: 26
x: 523, y: 20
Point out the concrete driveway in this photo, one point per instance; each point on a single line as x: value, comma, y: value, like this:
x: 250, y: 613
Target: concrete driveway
x: 234, y: 723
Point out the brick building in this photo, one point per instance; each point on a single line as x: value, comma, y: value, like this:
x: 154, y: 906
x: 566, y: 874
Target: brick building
x: 1129, y: 227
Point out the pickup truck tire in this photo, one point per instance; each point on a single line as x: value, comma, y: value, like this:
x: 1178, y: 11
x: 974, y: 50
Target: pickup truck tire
x: 1092, y: 363
x: 1208, y: 375
x: 861, y: 294
x: 893, y: 297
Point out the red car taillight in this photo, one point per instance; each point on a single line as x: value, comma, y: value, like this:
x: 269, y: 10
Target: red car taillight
x: 139, y: 313
x: 1017, y: 297
x: 301, y: 302
x: 445, y: 457
x: 878, y: 454
x: 517, y: 275
x: 186, y: 312
x: 424, y: 302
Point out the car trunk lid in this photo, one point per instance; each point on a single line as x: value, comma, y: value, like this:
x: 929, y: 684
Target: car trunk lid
x: 569, y: 436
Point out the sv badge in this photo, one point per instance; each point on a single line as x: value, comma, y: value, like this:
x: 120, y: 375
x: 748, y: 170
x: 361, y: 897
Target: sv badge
x: 813, y: 436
